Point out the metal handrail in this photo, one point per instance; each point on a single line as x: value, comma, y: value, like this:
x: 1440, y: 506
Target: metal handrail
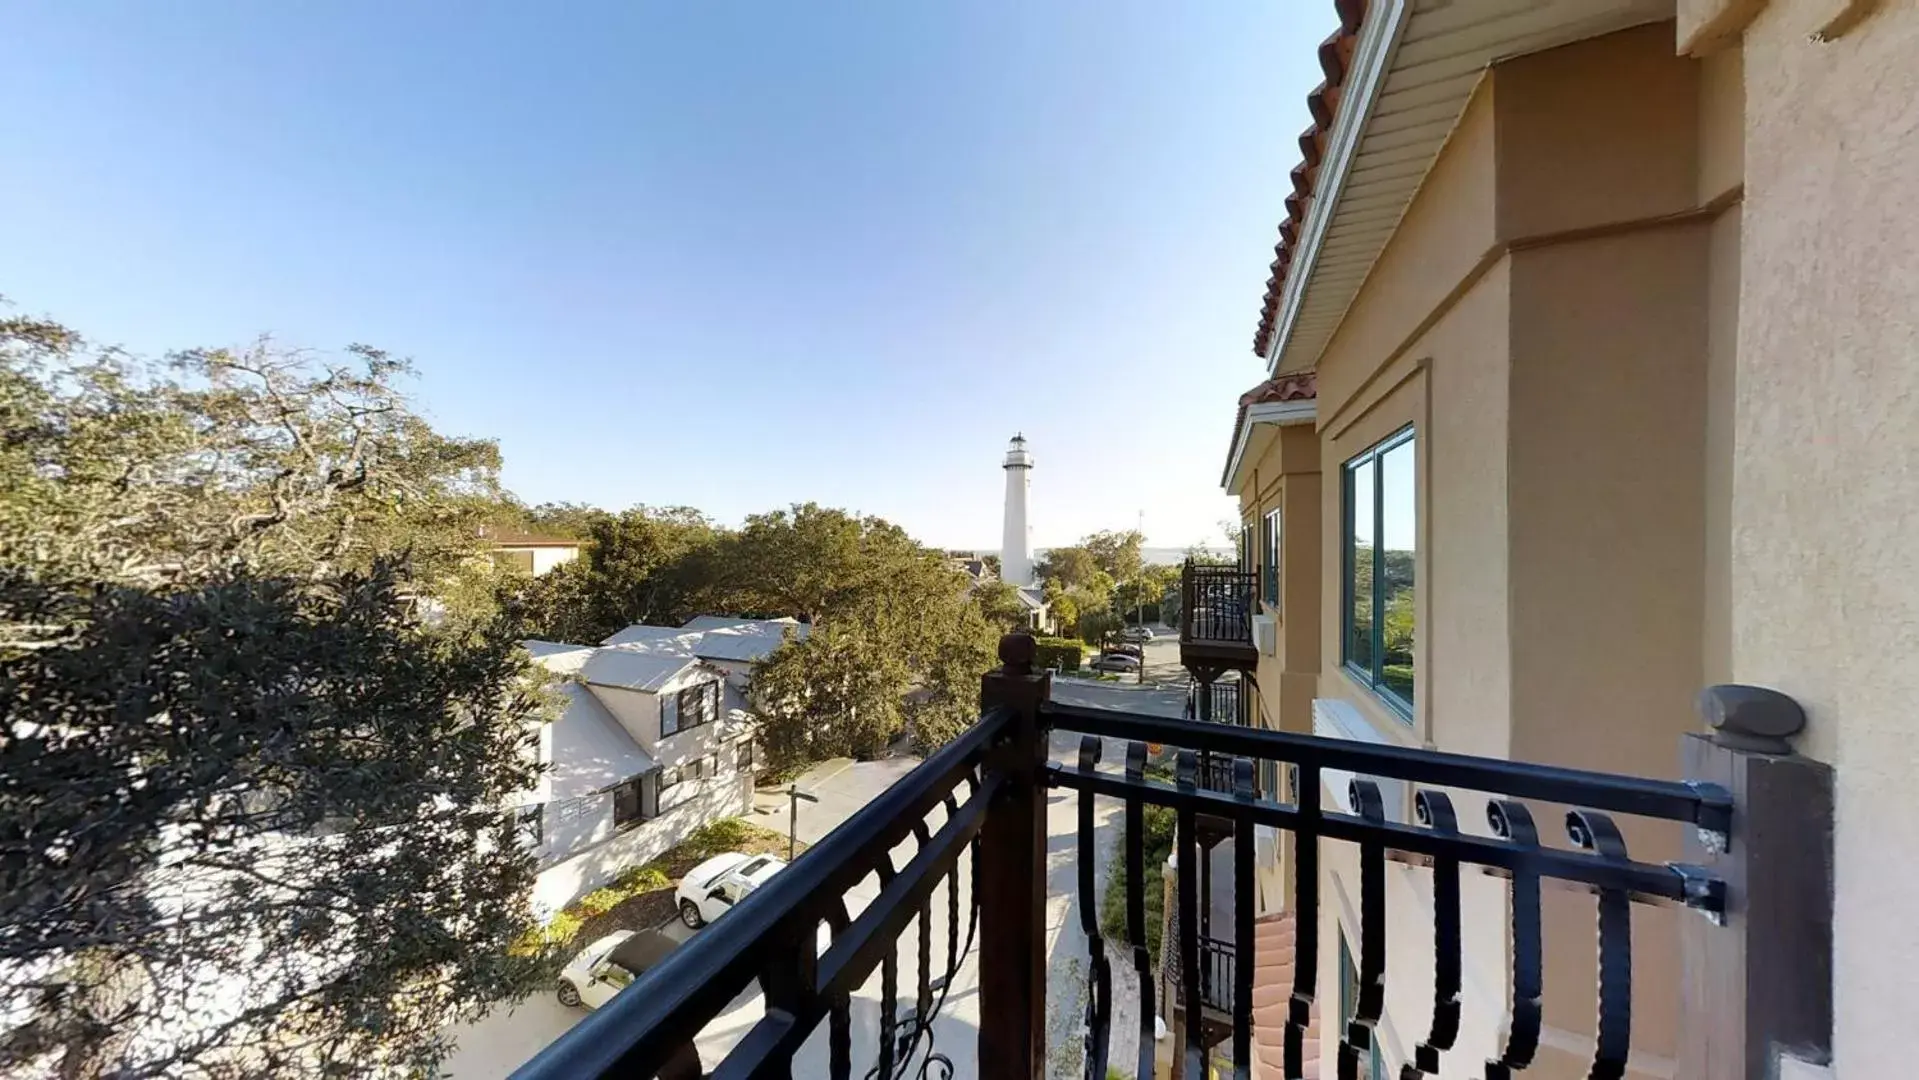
x: 995, y: 769
x: 1705, y: 805
x: 647, y: 1025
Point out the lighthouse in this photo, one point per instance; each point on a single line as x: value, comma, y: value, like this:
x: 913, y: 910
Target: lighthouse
x: 1015, y: 554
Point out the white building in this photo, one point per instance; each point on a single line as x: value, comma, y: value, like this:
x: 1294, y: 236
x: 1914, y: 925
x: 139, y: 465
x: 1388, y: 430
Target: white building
x: 1016, y: 549
x: 532, y: 554
x: 654, y: 741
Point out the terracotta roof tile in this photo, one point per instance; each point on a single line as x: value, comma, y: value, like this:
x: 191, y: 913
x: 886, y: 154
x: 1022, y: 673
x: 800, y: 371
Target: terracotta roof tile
x: 1292, y: 386
x: 1274, y: 941
x: 1335, y: 58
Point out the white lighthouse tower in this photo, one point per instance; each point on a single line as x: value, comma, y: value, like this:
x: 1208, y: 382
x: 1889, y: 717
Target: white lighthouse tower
x: 1015, y: 553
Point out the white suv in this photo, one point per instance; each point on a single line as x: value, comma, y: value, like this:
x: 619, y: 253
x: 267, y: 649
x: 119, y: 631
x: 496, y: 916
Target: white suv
x: 711, y: 889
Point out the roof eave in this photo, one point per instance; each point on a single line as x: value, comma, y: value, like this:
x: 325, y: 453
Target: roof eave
x: 1276, y: 413
x: 1378, y: 37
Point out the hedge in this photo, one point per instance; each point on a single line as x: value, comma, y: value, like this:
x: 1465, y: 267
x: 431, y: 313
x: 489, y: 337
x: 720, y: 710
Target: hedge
x: 1058, y: 654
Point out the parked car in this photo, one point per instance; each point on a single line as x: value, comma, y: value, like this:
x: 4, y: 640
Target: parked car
x: 711, y: 889
x: 1116, y: 662
x: 1124, y: 649
x: 1139, y: 634
x: 607, y: 966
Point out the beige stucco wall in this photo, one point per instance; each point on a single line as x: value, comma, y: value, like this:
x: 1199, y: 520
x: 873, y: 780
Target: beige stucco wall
x: 1551, y: 346
x: 1573, y: 155
x: 1286, y: 477
x: 1607, y: 499
x: 1825, y: 510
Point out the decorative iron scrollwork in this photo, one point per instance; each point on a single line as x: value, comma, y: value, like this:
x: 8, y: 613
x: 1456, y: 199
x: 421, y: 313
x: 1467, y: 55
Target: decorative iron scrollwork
x: 1511, y: 821
x: 1434, y: 810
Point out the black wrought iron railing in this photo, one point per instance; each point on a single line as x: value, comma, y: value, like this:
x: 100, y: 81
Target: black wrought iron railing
x: 875, y: 885
x: 1216, y: 973
x: 807, y: 977
x: 1216, y: 603
x: 1221, y: 701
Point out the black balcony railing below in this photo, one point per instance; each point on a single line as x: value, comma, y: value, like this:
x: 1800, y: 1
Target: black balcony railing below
x: 1216, y: 604
x: 960, y: 844
x: 1222, y: 701
x: 1216, y: 973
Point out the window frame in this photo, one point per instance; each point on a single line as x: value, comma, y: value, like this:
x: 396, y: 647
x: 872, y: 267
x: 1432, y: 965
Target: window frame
x: 677, y: 700
x: 1270, y: 555
x: 1349, y: 1005
x: 670, y: 778
x: 639, y: 803
x: 531, y: 822
x: 1371, y: 675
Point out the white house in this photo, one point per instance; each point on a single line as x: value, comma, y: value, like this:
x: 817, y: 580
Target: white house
x: 529, y: 552
x: 654, y: 741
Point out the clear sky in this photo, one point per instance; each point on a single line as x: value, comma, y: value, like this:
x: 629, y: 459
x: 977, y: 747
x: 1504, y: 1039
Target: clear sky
x: 726, y: 255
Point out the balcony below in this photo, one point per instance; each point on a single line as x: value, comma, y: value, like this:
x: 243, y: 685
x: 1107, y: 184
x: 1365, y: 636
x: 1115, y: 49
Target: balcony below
x: 1217, y: 605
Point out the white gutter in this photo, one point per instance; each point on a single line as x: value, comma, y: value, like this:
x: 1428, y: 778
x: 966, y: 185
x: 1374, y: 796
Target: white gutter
x: 1273, y: 412
x: 1377, y: 40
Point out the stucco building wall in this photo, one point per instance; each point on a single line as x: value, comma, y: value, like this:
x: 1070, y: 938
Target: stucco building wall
x: 598, y: 853
x: 1549, y: 344
x: 1825, y: 505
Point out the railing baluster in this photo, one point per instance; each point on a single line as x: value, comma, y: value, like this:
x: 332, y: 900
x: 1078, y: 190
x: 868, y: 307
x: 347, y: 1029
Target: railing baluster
x: 1435, y: 811
x: 1510, y: 820
x: 1299, y: 1014
x: 1243, y: 936
x: 1135, y: 841
x: 1189, y: 989
x: 839, y: 1018
x: 1358, y: 1040
x: 889, y: 985
x: 923, y: 1004
x: 1099, y: 998
x: 1596, y: 833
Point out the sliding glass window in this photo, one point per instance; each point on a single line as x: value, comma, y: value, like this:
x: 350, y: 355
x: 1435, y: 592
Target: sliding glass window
x: 1380, y: 547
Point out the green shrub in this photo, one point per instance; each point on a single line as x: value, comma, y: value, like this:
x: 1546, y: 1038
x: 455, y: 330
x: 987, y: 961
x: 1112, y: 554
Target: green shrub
x: 564, y: 927
x: 1058, y: 654
x: 635, y: 880
x: 1156, y: 845
x: 600, y: 901
x: 723, y: 835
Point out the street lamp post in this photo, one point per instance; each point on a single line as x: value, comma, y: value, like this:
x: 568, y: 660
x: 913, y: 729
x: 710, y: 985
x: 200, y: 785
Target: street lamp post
x: 793, y: 797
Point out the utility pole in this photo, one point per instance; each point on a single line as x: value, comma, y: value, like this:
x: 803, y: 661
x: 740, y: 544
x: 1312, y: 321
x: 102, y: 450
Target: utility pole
x: 793, y: 797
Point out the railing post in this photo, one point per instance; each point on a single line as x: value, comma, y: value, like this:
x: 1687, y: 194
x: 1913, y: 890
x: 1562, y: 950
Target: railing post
x: 1758, y: 983
x: 1012, y: 874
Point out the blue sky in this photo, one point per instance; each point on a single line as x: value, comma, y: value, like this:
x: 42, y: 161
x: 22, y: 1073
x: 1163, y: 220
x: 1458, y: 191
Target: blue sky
x: 726, y: 255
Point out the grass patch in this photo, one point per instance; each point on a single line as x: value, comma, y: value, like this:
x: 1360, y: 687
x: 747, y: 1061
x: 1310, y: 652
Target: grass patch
x: 641, y: 897
x: 1157, y: 844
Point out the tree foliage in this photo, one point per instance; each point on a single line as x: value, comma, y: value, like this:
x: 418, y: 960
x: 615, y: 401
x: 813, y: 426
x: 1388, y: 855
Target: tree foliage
x: 120, y: 470
x: 999, y: 604
x: 645, y: 565
x: 1116, y: 553
x: 896, y: 639
x: 251, y: 806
